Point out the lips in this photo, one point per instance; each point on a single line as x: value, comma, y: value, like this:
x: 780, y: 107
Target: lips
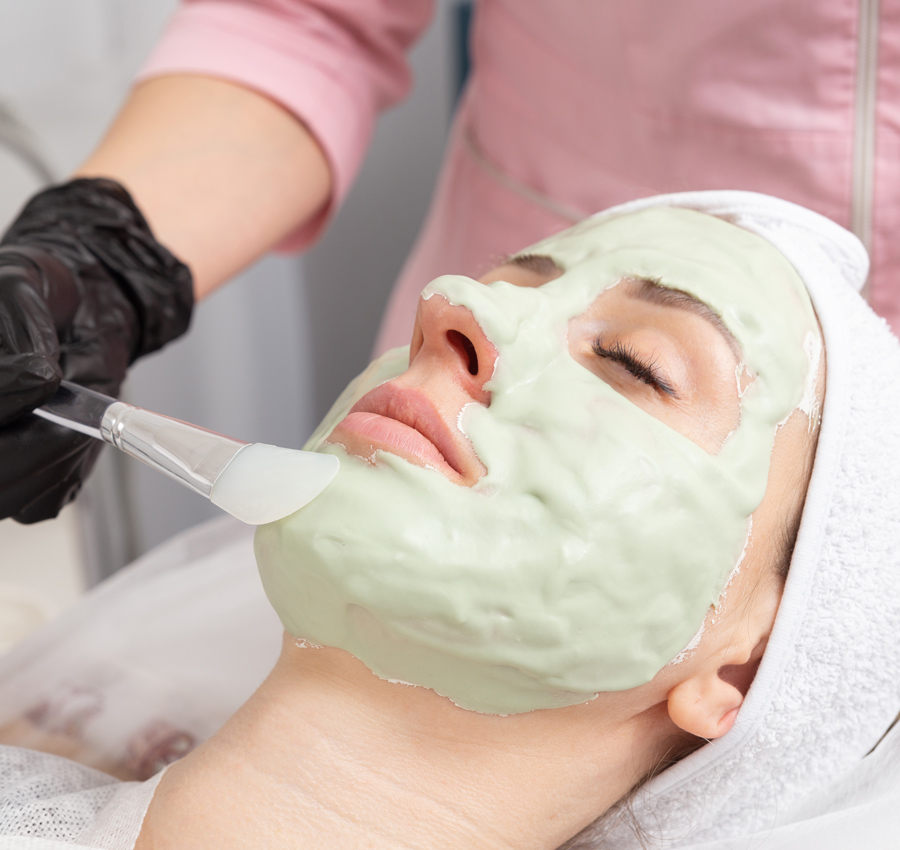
x: 404, y: 422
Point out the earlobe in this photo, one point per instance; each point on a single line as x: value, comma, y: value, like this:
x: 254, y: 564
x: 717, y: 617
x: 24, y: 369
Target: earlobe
x: 704, y: 705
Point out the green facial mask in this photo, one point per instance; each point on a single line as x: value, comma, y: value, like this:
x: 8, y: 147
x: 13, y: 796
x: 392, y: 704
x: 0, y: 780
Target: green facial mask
x: 588, y: 555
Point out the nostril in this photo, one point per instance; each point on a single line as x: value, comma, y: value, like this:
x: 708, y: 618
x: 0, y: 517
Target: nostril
x: 464, y: 346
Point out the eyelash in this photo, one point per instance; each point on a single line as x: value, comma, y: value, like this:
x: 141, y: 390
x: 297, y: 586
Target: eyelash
x: 645, y: 371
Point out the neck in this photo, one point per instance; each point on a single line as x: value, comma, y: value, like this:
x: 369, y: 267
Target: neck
x: 327, y: 754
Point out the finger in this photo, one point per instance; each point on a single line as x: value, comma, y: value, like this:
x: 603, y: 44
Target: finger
x: 51, y: 502
x: 37, y: 455
x: 26, y: 381
x: 29, y: 348
x: 25, y: 320
x: 97, y: 363
x: 50, y: 278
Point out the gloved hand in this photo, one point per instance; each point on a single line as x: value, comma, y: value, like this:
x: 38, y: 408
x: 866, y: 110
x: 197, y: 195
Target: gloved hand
x: 85, y: 290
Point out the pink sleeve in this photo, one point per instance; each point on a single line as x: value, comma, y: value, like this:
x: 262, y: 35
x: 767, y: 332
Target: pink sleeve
x: 335, y: 64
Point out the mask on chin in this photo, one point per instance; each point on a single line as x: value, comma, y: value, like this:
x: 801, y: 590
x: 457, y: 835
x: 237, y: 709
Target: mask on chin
x: 587, y: 556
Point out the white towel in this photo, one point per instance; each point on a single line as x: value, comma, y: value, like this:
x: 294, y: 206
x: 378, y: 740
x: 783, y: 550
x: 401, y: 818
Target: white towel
x: 794, y: 771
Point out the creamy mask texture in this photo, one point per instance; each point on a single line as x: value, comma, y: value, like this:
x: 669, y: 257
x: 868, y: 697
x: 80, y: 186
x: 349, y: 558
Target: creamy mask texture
x: 589, y: 553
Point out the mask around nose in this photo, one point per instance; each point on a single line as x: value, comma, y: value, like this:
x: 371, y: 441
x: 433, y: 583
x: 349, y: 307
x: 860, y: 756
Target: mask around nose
x: 586, y: 557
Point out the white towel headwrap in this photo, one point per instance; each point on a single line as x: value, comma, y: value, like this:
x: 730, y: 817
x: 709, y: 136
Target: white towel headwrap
x: 828, y: 687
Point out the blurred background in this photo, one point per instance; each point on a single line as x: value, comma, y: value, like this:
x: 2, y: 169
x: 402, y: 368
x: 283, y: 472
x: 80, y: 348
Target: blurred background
x: 268, y: 353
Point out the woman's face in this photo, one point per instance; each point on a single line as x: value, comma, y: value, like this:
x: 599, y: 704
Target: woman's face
x: 545, y: 499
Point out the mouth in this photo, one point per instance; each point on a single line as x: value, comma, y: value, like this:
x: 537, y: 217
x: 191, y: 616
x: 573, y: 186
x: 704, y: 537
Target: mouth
x: 404, y: 422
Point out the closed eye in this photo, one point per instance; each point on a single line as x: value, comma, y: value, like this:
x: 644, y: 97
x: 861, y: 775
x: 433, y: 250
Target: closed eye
x: 645, y: 371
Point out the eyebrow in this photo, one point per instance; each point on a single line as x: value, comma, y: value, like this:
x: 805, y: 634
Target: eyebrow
x: 653, y: 291
x: 540, y: 264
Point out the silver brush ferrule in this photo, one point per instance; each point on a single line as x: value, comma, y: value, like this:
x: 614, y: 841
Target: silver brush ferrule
x: 191, y: 455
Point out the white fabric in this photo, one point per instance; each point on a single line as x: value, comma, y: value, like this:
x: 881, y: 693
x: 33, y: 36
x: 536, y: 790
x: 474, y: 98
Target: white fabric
x: 175, y: 642
x: 185, y: 635
x: 47, y: 801
x: 858, y: 810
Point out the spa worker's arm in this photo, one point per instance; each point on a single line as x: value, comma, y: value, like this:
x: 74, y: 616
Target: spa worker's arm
x: 206, y: 158
x: 245, y: 132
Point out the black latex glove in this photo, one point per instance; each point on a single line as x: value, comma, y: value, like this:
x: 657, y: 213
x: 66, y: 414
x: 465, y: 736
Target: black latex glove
x: 85, y: 290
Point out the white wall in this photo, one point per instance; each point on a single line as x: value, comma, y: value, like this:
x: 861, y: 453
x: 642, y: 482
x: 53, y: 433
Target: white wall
x: 267, y: 354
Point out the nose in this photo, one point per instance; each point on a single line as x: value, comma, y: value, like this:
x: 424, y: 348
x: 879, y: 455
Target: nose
x: 447, y: 337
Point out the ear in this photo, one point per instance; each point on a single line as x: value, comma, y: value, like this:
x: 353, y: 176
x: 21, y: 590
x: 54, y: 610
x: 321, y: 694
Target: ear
x: 706, y: 704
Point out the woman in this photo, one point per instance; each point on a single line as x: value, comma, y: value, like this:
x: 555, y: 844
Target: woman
x: 251, y: 120
x: 682, y: 335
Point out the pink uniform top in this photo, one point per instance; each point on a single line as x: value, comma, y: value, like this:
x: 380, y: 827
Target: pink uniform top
x: 573, y: 106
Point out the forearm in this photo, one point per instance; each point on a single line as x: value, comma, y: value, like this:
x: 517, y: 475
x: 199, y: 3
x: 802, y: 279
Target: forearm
x: 221, y: 172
